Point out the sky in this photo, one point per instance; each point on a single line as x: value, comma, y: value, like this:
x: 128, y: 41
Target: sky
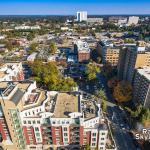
x: 70, y: 7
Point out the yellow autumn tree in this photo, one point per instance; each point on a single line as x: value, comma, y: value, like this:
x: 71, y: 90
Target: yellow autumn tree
x: 123, y: 91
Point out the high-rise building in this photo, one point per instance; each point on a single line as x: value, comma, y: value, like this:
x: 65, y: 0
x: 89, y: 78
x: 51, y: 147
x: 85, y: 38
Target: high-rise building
x: 141, y: 87
x: 110, y: 55
x: 81, y: 16
x: 133, y: 20
x: 131, y: 58
x: 81, y: 48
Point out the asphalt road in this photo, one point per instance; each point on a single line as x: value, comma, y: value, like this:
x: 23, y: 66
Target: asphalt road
x: 117, y: 118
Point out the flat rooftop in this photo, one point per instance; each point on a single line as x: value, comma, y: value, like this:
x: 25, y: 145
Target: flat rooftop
x: 65, y: 104
x: 145, y: 71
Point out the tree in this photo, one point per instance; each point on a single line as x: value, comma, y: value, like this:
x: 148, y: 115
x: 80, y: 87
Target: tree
x: 123, y: 92
x: 31, y: 36
x: 53, y: 48
x: 91, y: 71
x: 104, y: 105
x: 140, y: 114
x: 102, y: 96
x: 48, y: 76
x: 32, y: 48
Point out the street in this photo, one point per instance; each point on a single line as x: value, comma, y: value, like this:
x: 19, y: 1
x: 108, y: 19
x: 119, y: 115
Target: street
x: 117, y: 118
x: 116, y: 115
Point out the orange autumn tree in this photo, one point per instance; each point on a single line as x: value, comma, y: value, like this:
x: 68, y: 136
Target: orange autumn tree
x: 123, y: 91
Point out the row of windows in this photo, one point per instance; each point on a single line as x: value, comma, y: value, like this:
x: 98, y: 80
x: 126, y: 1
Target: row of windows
x: 31, y: 122
x: 33, y: 112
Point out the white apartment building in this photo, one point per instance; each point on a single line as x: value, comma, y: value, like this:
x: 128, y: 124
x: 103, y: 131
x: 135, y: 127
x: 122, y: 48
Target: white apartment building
x: 141, y: 86
x: 24, y: 27
x: 133, y: 20
x: 81, y: 16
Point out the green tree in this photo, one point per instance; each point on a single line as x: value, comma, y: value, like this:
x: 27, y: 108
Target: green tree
x: 91, y: 71
x: 53, y: 48
x: 101, y: 94
x: 32, y: 48
x: 48, y: 76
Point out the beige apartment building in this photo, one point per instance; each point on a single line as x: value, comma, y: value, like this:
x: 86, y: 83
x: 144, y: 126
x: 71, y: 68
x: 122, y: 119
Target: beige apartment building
x: 130, y: 58
x: 110, y: 55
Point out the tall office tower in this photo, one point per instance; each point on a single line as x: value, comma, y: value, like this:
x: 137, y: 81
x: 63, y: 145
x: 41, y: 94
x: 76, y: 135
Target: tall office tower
x: 81, y: 16
x: 133, y: 20
x: 141, y: 86
x: 131, y: 58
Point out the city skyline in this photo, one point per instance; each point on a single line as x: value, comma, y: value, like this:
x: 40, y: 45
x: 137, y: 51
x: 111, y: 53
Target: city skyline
x: 57, y: 7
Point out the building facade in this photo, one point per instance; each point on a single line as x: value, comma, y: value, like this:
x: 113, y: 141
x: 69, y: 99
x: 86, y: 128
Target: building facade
x: 133, y: 20
x: 81, y: 16
x: 141, y: 86
x: 130, y: 58
x: 32, y: 118
x: 110, y: 55
x: 82, y: 50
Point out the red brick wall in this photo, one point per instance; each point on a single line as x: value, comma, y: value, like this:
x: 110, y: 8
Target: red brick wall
x: 81, y: 135
x: 88, y: 137
x: 83, y: 57
x: 33, y: 135
x: 26, y: 135
x: 53, y: 135
x: 2, y: 130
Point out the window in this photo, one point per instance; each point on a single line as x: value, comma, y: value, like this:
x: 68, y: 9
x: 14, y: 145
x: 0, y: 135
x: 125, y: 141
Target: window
x: 29, y: 122
x: 102, y: 138
x: 93, y: 144
x: 103, y: 133
x: 33, y: 121
x: 36, y: 129
x: 24, y: 122
x: 66, y: 139
x: 37, y: 134
x: 94, y: 139
x: 65, y: 134
x: 102, y: 143
x: 93, y: 134
x: 38, y: 122
x: 65, y: 129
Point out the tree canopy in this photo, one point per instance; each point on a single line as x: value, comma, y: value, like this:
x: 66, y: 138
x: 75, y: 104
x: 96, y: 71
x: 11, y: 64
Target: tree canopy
x: 53, y: 48
x: 91, y: 71
x: 48, y: 76
x: 123, y: 91
x: 140, y: 114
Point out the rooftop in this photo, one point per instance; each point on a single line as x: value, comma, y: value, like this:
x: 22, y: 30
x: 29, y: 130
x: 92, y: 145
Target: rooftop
x: 82, y: 46
x: 65, y: 104
x: 145, y: 71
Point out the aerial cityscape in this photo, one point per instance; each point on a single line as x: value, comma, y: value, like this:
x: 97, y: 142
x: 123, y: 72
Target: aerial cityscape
x: 74, y: 75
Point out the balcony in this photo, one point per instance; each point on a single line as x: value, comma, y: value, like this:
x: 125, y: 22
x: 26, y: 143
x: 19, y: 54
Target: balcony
x: 47, y: 130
